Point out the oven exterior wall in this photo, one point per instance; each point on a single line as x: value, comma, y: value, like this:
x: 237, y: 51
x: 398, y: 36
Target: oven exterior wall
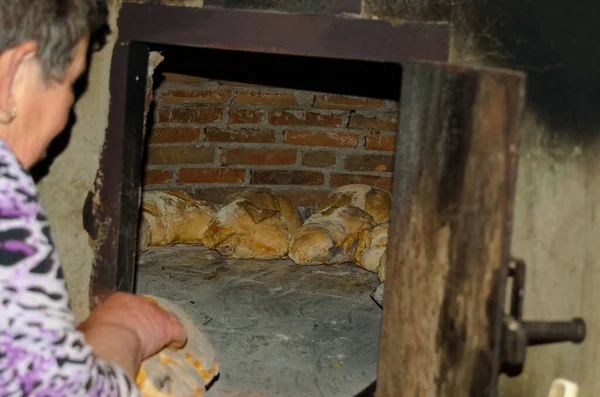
x: 558, y: 192
x: 213, y: 137
x: 63, y: 190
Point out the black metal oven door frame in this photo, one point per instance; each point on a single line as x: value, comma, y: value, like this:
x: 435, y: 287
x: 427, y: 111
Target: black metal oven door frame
x: 111, y: 210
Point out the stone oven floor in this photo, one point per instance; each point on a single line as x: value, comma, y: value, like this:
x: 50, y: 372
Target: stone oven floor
x: 279, y: 329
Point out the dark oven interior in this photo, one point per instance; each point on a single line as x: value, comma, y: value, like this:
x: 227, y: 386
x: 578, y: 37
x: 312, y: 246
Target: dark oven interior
x: 298, y: 128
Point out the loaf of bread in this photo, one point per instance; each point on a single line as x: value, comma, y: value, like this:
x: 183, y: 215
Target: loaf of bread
x: 382, y: 266
x: 371, y: 245
x: 173, y: 216
x: 255, y: 224
x: 267, y: 199
x: 374, y: 201
x: 329, y: 237
x: 182, y: 372
x: 144, y: 233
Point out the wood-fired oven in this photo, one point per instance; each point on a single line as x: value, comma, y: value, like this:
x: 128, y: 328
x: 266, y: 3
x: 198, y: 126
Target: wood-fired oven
x: 443, y: 329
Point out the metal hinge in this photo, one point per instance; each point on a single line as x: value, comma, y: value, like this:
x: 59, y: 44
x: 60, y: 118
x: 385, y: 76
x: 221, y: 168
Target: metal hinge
x: 518, y: 335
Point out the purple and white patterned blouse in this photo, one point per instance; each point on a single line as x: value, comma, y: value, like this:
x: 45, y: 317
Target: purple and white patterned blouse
x: 41, y: 352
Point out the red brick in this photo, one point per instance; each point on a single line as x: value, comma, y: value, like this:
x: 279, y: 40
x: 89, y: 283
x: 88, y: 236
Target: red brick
x: 180, y: 155
x: 301, y: 117
x: 182, y: 78
x: 381, y: 123
x: 245, y: 135
x: 174, y: 135
x: 383, y: 182
x: 193, y: 115
x: 319, y: 138
x: 381, y: 142
x: 152, y: 177
x: 304, y: 178
x: 265, y: 98
x: 343, y: 102
x: 369, y: 162
x: 245, y: 116
x: 179, y: 97
x: 211, y: 175
x: 318, y: 158
x: 258, y: 156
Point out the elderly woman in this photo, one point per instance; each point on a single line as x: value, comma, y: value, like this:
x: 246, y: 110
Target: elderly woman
x: 43, y: 48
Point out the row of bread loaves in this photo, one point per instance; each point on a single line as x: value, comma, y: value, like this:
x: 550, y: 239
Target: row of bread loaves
x: 349, y: 225
x: 255, y: 223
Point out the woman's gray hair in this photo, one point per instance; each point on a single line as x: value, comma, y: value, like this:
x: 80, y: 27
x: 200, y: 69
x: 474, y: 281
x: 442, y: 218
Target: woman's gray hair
x: 57, y: 26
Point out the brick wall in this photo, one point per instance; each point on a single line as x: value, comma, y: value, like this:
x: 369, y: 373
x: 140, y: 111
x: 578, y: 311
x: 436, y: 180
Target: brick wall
x: 213, y: 137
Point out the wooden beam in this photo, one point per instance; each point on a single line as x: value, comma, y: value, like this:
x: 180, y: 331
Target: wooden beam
x: 115, y: 203
x: 281, y: 33
x: 332, y: 8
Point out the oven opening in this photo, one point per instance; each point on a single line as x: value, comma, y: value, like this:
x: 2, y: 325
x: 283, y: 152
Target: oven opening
x: 264, y: 213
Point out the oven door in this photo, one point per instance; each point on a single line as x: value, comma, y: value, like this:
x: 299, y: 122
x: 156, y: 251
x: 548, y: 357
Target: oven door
x: 448, y: 253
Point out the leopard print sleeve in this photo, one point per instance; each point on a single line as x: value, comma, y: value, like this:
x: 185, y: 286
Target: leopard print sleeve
x: 41, y: 352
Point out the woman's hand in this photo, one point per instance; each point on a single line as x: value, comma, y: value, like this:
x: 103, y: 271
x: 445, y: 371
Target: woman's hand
x: 127, y: 329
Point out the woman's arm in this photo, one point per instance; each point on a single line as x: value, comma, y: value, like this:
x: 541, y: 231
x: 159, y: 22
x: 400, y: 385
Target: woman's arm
x: 127, y: 329
x: 41, y: 351
x: 116, y: 344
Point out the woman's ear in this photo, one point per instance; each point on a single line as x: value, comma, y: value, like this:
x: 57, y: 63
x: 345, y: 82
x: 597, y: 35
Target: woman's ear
x: 11, y: 62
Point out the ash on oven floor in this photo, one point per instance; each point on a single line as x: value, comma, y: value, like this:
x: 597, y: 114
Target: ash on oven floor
x: 279, y: 329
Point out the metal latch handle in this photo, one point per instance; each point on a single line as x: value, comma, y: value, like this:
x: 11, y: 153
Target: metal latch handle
x: 518, y: 335
x: 544, y: 332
